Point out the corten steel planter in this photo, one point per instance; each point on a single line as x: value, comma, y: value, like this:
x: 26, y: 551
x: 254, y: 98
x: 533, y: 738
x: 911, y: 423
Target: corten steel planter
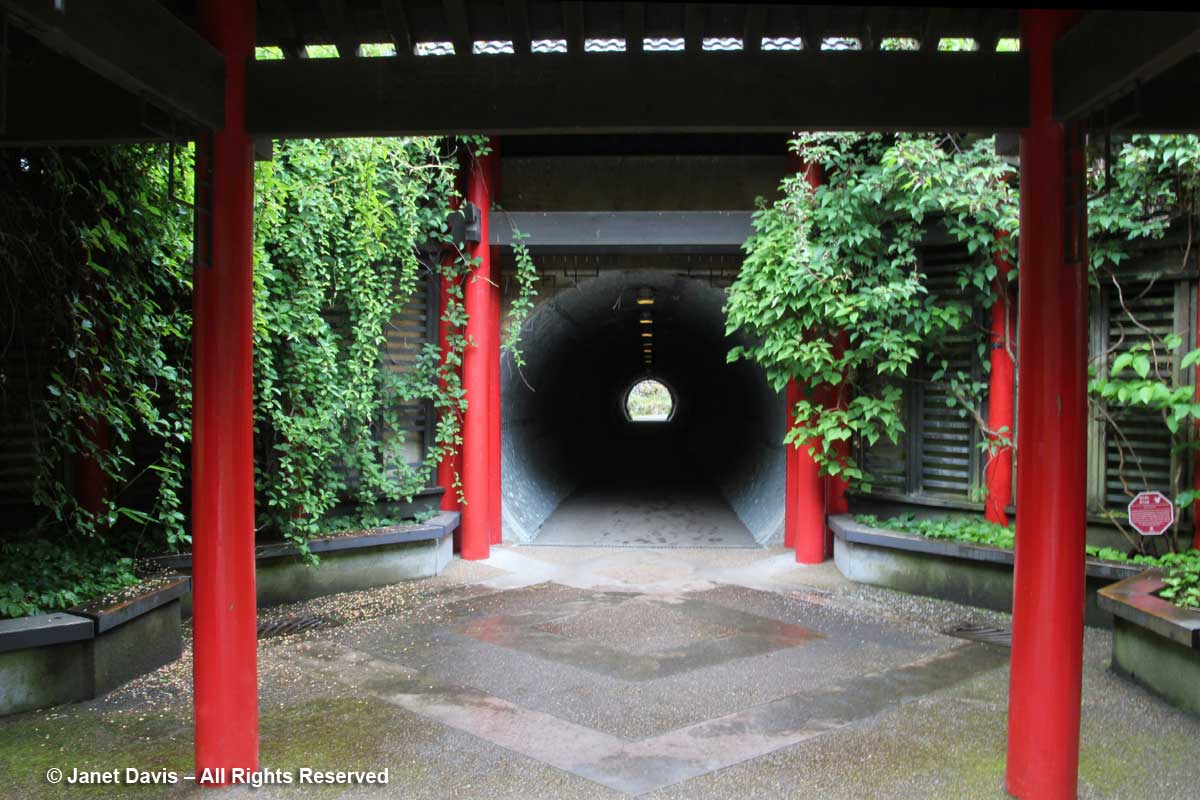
x: 49, y: 659
x: 1155, y: 643
x: 349, y: 562
x: 972, y: 574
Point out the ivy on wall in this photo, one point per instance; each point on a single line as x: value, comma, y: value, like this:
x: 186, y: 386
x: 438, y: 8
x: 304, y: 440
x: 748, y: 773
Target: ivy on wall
x: 96, y: 261
x: 844, y: 258
x: 96, y: 253
x: 338, y: 227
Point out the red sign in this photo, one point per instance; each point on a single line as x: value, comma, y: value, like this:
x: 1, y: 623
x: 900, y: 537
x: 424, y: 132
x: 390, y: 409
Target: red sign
x: 1151, y: 513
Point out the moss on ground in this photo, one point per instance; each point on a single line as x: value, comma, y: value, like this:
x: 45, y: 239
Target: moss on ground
x: 337, y: 733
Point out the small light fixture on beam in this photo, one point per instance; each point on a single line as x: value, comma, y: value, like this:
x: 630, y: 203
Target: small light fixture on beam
x: 645, y: 297
x: 646, y: 318
x: 647, y: 334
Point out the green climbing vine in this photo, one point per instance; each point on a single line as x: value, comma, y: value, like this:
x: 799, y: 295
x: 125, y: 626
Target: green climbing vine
x: 843, y: 258
x: 339, y: 227
x: 95, y: 257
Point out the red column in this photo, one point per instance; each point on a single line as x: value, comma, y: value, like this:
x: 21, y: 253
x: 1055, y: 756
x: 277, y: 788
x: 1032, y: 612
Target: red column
x: 1044, y: 691
x: 791, y: 519
x: 1000, y: 401
x: 807, y: 515
x: 495, y: 499
x: 450, y: 467
x: 835, y: 488
x: 225, y: 671
x: 484, y: 331
x: 92, y: 486
x: 804, y: 496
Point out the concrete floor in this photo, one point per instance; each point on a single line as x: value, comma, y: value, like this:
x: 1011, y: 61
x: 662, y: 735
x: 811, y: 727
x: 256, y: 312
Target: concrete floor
x: 633, y: 510
x: 609, y: 673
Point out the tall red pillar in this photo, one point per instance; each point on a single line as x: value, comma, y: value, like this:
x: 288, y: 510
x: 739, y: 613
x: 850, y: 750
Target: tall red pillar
x: 495, y: 499
x: 1000, y: 401
x: 483, y: 329
x: 804, y: 495
x: 225, y: 672
x: 449, y: 469
x: 1044, y: 690
x: 805, y: 517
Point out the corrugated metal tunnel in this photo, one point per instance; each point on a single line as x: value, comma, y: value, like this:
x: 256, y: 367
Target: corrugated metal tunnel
x: 566, y: 436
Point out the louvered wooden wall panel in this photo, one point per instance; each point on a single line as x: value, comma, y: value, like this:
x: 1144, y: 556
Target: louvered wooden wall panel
x: 946, y: 437
x: 1146, y: 443
x: 23, y: 379
x: 407, y: 333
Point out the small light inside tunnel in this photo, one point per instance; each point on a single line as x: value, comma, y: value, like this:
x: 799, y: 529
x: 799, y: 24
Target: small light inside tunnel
x: 645, y: 297
x: 646, y: 319
x: 647, y: 334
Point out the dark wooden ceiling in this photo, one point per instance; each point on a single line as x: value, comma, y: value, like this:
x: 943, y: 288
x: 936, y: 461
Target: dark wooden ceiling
x: 122, y: 70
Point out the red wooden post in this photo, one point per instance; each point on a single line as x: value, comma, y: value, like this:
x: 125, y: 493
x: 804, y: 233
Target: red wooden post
x: 450, y: 467
x: 484, y: 331
x: 1044, y: 691
x: 804, y: 495
x: 495, y: 498
x: 809, y: 492
x: 225, y: 672
x: 1000, y: 400
x: 92, y: 486
x: 791, y: 519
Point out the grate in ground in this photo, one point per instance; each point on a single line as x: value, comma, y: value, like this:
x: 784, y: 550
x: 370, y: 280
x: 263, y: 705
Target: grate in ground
x: 978, y: 632
x: 285, y: 627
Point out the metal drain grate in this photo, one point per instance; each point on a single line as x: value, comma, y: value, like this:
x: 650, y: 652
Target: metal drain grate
x: 976, y: 632
x: 290, y: 625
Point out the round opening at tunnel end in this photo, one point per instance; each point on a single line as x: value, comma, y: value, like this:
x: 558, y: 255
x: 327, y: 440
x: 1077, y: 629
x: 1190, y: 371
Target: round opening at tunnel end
x: 649, y: 400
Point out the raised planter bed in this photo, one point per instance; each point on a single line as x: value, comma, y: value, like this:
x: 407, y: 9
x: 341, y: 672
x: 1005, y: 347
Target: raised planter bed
x: 350, y: 562
x: 1155, y: 643
x: 65, y: 657
x: 972, y: 574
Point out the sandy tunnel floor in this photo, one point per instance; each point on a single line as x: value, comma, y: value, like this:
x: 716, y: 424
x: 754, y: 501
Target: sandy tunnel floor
x: 607, y: 673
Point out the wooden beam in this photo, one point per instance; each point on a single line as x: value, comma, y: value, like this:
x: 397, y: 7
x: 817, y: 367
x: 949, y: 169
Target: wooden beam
x: 635, y: 28
x: 396, y: 19
x: 518, y: 24
x: 654, y: 93
x: 138, y: 45
x: 1166, y: 104
x: 53, y: 100
x: 1109, y: 53
x: 694, y: 18
x: 573, y: 26
x: 752, y: 30
x: 289, y: 39
x: 334, y: 12
x: 460, y: 29
x: 625, y: 231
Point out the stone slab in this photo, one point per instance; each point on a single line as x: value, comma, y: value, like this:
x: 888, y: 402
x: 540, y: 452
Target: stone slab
x: 970, y: 574
x: 42, y: 630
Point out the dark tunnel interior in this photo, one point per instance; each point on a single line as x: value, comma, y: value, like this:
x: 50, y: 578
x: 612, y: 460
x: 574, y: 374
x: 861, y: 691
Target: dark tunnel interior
x: 567, y: 437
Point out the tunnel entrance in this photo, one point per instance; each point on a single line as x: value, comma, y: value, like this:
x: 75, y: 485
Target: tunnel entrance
x: 626, y: 426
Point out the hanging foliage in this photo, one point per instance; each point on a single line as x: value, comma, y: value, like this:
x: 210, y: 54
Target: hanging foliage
x: 339, y: 224
x: 96, y: 255
x: 843, y: 257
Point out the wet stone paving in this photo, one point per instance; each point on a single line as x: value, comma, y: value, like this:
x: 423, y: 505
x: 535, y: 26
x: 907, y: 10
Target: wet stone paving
x: 579, y: 673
